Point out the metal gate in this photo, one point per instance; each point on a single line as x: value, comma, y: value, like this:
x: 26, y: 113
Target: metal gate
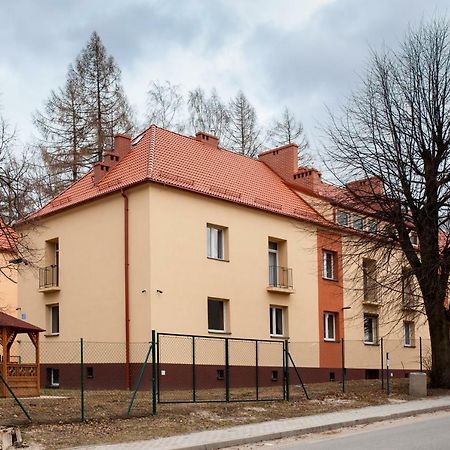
x: 220, y: 369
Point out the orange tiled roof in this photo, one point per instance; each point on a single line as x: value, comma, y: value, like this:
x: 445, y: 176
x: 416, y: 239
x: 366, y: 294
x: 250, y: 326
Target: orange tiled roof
x: 183, y: 162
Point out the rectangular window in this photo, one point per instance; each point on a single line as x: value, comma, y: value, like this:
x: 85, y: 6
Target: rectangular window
x: 370, y: 281
x: 53, y: 319
x: 358, y: 222
x: 342, y: 218
x: 329, y: 326
x: 53, y: 377
x: 217, y: 315
x: 328, y: 265
x: 273, y: 264
x: 372, y: 226
x: 216, y: 242
x: 408, y: 332
x: 370, y: 329
x: 277, y: 320
x: 407, y: 288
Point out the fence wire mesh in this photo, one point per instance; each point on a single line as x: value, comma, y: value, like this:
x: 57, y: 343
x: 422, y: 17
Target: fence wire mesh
x: 195, y: 369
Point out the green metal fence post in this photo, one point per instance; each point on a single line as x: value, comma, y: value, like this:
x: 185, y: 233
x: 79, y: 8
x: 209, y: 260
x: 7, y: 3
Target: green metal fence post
x: 382, y: 363
x: 154, y: 373
x: 343, y: 364
x: 286, y: 368
x: 193, y: 369
x: 227, y: 371
x: 257, y: 370
x: 82, y: 377
x: 14, y: 396
x: 420, y: 353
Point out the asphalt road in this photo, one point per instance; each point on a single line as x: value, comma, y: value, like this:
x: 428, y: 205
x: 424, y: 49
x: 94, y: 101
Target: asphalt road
x: 427, y: 432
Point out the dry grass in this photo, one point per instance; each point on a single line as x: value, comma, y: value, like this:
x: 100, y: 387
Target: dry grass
x: 103, y: 410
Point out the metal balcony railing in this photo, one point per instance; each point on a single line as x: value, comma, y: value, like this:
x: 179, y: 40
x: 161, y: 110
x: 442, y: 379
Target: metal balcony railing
x: 280, y: 277
x: 49, y: 277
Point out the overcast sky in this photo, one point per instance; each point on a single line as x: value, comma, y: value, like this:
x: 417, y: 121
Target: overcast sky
x: 306, y: 54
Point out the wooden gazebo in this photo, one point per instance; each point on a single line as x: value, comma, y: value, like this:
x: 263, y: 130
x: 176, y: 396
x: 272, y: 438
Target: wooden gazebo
x: 23, y: 379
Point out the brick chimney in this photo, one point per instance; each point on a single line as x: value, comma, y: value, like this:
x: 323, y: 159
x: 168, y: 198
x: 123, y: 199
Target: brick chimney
x: 122, y: 145
x: 207, y: 138
x: 284, y: 162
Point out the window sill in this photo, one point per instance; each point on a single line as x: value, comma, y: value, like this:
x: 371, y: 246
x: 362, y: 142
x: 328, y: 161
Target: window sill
x: 409, y: 346
x: 371, y: 303
x: 219, y: 332
x: 332, y: 341
x: 280, y: 290
x: 278, y: 336
x: 218, y: 259
x: 329, y: 279
x: 49, y: 289
x: 51, y: 335
x: 371, y: 344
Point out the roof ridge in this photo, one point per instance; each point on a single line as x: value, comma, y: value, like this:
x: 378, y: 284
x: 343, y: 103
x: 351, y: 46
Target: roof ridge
x: 151, y: 152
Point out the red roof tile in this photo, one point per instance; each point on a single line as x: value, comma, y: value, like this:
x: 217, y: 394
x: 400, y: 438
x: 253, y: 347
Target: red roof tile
x: 183, y: 162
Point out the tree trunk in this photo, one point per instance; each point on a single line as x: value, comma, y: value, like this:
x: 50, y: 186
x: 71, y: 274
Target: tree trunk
x: 440, y: 343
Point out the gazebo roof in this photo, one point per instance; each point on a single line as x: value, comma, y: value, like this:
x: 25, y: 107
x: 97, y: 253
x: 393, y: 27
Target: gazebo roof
x: 20, y: 326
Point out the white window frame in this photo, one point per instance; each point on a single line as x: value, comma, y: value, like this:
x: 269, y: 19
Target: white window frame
x: 342, y: 214
x: 52, y: 308
x: 326, y: 335
x: 273, y: 321
x: 325, y: 265
x: 374, y: 326
x: 53, y: 383
x: 408, y: 333
x: 224, y: 303
x: 215, y: 242
x: 273, y: 270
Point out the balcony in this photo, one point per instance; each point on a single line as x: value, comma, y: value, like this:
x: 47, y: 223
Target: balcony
x: 280, y: 280
x: 49, y: 279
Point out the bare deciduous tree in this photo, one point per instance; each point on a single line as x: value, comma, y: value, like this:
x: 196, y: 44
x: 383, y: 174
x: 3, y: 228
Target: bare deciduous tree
x: 243, y: 132
x: 395, y: 134
x: 65, y: 128
x: 164, y: 106
x: 287, y: 130
x: 208, y: 114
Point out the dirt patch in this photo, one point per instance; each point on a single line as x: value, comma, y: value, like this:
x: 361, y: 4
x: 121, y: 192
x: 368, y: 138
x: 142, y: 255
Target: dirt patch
x: 103, y: 427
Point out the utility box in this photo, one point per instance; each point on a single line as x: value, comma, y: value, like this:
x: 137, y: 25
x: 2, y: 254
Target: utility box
x: 418, y: 384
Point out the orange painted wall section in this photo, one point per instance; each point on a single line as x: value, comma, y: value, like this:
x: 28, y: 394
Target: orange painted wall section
x: 331, y: 298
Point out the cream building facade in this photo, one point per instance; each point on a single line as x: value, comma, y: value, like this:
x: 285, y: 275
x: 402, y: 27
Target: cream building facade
x: 175, y: 234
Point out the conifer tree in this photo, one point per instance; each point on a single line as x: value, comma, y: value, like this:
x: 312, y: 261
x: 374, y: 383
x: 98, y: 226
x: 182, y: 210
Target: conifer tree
x: 243, y: 134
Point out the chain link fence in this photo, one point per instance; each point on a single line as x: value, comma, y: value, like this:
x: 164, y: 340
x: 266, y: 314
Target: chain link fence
x: 86, y: 380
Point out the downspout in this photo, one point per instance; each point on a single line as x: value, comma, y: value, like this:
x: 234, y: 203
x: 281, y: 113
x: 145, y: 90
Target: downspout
x: 127, y: 292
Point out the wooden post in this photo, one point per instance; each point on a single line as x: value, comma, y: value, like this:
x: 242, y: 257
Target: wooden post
x: 4, y: 359
x: 38, y: 367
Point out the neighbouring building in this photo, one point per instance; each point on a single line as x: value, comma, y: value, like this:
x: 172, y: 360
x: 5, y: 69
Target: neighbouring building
x: 8, y: 272
x: 176, y: 234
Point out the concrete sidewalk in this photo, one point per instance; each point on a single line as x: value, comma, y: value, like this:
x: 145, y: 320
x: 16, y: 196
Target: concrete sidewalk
x: 276, y: 429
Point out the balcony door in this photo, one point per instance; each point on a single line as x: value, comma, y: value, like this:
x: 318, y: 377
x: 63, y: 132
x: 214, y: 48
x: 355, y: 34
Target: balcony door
x: 273, y: 264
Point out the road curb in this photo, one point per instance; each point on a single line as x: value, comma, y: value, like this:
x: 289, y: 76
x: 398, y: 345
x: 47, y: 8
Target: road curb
x: 315, y: 429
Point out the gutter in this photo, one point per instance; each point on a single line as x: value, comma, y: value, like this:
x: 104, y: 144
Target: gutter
x: 127, y: 290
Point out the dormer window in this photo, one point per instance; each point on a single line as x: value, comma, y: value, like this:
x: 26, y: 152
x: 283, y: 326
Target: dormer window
x: 342, y: 218
x: 358, y: 222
